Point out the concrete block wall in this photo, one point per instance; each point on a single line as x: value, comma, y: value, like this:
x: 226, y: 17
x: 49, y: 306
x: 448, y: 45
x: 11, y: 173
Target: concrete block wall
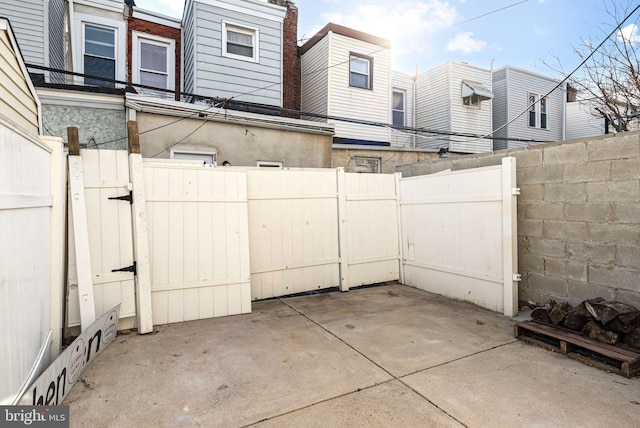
x: 578, y: 216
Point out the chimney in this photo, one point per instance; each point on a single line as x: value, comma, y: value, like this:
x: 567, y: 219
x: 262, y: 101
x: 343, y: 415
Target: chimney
x: 291, y: 60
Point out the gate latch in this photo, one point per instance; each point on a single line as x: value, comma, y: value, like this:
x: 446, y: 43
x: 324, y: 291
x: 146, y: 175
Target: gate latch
x: 128, y: 197
x: 131, y: 268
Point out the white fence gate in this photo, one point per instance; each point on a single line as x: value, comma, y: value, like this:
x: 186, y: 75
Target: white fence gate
x: 222, y: 237
x: 459, y: 235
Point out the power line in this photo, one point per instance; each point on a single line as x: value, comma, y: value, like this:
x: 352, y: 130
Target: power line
x: 492, y: 12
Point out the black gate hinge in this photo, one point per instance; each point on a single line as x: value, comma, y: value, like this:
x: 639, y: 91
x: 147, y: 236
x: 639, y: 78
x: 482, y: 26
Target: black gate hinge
x: 128, y: 197
x: 132, y: 268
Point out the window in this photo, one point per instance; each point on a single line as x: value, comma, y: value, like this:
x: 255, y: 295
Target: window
x: 473, y: 93
x: 471, y: 101
x: 538, y: 117
x: 398, y: 108
x: 367, y: 165
x: 99, y: 54
x: 240, y: 42
x: 153, y: 61
x: 360, y: 71
x: 99, y: 49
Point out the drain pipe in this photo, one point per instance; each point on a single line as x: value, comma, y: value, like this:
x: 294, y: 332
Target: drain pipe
x: 414, y: 113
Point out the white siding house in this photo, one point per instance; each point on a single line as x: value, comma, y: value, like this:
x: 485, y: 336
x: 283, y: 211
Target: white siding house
x: 402, y: 109
x: 347, y: 74
x: 582, y: 122
x: 454, y: 98
x: 29, y: 20
x: 515, y: 89
x: 233, y: 49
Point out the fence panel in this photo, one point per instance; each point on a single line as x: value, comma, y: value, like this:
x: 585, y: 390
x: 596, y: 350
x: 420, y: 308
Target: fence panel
x: 293, y: 231
x: 373, y: 243
x: 106, y: 175
x: 458, y: 230
x: 198, y: 241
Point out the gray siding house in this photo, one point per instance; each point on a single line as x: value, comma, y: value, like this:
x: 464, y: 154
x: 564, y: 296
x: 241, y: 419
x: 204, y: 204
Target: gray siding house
x: 454, y: 98
x: 234, y: 49
x: 515, y: 90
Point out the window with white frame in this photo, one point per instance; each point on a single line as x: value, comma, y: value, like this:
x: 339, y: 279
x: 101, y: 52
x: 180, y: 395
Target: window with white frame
x: 471, y: 101
x: 367, y: 165
x: 538, y: 117
x: 153, y: 61
x: 240, y: 42
x: 360, y: 67
x: 99, y: 54
x: 99, y: 49
x: 205, y: 158
x: 398, y: 109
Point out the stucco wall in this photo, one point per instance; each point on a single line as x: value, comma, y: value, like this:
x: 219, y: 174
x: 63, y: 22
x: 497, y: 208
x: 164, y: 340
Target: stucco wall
x: 239, y: 144
x: 578, y: 216
x: 97, y: 128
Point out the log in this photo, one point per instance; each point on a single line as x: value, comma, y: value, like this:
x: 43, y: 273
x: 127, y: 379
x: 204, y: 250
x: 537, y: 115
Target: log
x: 607, y: 311
x: 592, y: 330
x: 559, y: 312
x: 625, y: 323
x: 541, y: 315
x: 633, y: 338
x: 582, y: 310
x: 574, y: 321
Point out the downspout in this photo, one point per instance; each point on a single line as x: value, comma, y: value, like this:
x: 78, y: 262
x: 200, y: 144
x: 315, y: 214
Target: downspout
x: 414, y: 113
x: 491, y: 109
x: 72, y: 39
x: 564, y: 113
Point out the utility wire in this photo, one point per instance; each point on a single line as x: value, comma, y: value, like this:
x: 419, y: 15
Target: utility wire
x: 568, y: 76
x: 492, y: 12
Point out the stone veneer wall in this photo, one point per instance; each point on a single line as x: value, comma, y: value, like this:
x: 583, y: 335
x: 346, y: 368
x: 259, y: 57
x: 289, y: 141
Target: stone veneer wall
x: 578, y: 216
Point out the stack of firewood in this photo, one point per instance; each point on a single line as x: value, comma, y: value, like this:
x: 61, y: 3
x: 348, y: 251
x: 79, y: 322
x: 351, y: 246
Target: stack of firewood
x: 597, y: 319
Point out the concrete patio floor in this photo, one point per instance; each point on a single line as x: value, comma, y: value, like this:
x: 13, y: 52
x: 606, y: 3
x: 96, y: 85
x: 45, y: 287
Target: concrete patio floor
x: 389, y: 356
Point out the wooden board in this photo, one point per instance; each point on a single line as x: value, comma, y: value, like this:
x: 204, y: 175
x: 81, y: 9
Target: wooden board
x: 621, y: 360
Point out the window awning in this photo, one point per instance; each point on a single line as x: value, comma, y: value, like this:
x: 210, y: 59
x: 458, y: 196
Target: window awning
x: 470, y: 88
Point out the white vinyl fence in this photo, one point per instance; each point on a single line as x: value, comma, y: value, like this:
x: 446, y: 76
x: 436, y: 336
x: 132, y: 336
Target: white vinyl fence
x: 222, y: 237
x: 31, y: 237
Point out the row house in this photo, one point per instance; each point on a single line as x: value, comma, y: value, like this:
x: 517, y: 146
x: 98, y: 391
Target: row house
x: 243, y: 52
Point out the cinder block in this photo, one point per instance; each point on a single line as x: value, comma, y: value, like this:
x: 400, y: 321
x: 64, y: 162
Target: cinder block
x: 544, y: 211
x: 548, y: 284
x: 630, y: 297
x: 422, y: 168
x: 464, y: 162
x: 565, y: 153
x: 531, y: 263
x: 619, y: 147
x: 592, y: 253
x: 615, y: 234
x: 527, y: 158
x: 588, y: 211
x: 440, y: 165
x: 545, y: 247
x: 614, y: 276
x: 490, y: 160
x: 584, y: 172
x: 565, y: 230
x: 627, y: 212
x: 543, y: 174
x: 625, y: 169
x: 580, y: 290
x: 628, y: 257
x: 567, y: 269
x: 530, y: 228
x: 628, y: 190
x: 564, y: 192
x: 531, y: 192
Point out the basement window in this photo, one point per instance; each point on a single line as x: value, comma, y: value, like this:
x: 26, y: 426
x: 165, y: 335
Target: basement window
x: 367, y: 165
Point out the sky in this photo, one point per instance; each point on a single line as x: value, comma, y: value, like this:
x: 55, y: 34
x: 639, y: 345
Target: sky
x: 537, y: 35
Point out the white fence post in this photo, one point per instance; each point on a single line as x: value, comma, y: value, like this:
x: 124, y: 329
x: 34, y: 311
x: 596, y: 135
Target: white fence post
x: 140, y: 234
x: 343, y: 230
x: 80, y: 231
x: 397, y: 177
x: 509, y: 236
x: 58, y: 229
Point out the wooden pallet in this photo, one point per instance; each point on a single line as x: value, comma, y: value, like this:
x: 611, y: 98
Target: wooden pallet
x: 621, y: 360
